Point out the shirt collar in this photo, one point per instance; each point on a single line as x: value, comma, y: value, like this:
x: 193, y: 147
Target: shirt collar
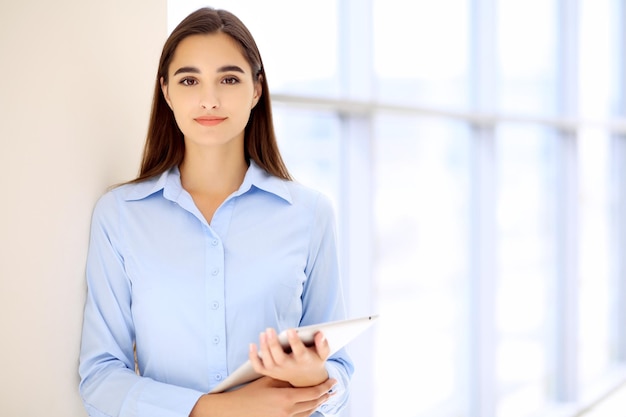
x: 261, y: 179
x: 169, y: 182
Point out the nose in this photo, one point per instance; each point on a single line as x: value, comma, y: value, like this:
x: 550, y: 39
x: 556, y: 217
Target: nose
x: 209, y: 98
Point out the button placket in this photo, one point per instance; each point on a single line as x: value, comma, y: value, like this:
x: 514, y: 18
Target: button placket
x: 216, y: 320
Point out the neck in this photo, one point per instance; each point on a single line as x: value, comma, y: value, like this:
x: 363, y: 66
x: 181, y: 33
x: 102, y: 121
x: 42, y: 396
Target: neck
x: 213, y: 171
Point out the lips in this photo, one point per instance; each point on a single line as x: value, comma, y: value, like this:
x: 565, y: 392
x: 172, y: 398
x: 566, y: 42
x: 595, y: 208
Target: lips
x: 209, y: 120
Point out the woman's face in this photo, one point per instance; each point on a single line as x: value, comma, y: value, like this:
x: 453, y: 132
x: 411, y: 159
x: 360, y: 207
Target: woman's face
x: 211, y: 90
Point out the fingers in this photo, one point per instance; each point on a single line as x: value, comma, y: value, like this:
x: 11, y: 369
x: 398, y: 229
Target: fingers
x: 300, y: 350
x: 279, y: 398
x: 301, y: 394
x: 306, y: 408
x: 297, y: 347
x: 322, y: 346
x: 255, y: 360
x: 319, y: 393
x: 267, y: 396
x: 272, y: 352
x: 327, y: 385
x: 302, y: 366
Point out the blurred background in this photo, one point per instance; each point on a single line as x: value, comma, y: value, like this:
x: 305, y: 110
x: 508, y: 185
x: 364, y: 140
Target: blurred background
x: 475, y: 151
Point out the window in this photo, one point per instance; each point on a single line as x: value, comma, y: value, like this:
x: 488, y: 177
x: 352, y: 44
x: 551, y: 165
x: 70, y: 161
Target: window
x: 526, y: 56
x: 525, y: 267
x: 418, y: 59
x: 597, y: 95
x: 421, y: 198
x: 313, y: 158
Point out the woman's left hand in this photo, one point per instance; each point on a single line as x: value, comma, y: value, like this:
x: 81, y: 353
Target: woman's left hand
x: 302, y: 367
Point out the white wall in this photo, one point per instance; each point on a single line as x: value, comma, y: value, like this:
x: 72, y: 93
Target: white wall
x: 76, y: 80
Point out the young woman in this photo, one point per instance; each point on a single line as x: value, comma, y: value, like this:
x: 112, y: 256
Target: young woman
x: 196, y: 264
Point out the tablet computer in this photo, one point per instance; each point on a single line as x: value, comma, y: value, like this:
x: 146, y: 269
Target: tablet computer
x: 338, y: 333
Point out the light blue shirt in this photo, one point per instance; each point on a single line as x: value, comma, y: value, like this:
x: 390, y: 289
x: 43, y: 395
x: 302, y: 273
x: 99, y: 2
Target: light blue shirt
x: 194, y: 295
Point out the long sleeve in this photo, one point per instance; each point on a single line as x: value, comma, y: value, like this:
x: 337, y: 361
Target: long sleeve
x: 109, y: 385
x: 324, y: 283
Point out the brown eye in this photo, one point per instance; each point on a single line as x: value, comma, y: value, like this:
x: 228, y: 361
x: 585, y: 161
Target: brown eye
x: 188, y: 81
x: 230, y: 80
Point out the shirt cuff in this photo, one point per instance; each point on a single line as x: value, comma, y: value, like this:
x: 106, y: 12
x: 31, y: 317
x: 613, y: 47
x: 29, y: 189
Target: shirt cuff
x: 340, y: 390
x: 156, y: 399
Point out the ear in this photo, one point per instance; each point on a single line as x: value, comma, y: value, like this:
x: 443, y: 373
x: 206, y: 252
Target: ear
x: 165, y: 92
x: 258, y: 92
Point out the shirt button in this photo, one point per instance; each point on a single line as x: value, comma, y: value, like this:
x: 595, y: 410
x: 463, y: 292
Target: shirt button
x: 218, y: 377
x: 215, y: 271
x: 214, y: 242
x: 216, y: 340
x: 215, y: 305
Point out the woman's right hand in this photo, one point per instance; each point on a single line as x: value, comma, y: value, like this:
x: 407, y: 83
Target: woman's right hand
x: 265, y: 397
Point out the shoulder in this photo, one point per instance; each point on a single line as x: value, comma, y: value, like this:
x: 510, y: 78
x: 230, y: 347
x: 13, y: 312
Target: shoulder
x: 310, y: 199
x: 304, y: 194
x: 291, y: 192
x: 112, y: 201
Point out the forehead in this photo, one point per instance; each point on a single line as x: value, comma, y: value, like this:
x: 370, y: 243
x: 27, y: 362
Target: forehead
x: 208, y: 51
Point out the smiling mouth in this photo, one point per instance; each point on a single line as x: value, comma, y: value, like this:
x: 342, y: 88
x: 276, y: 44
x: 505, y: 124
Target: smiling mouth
x: 210, y: 121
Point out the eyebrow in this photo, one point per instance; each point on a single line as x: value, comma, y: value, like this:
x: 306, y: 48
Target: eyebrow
x: 225, y: 68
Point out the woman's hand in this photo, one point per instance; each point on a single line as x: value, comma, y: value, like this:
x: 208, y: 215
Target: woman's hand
x: 302, y: 367
x: 265, y: 397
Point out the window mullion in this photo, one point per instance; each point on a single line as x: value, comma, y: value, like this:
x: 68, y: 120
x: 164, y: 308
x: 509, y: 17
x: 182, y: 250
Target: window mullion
x: 563, y: 345
x: 355, y: 211
x: 618, y: 312
x: 481, y: 337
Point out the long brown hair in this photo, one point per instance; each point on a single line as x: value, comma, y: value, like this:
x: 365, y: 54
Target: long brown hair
x: 165, y: 146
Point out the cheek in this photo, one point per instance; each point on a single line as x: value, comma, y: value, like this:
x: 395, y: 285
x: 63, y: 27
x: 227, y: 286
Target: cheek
x: 182, y: 104
x: 246, y: 101
x: 181, y: 98
x: 182, y: 112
